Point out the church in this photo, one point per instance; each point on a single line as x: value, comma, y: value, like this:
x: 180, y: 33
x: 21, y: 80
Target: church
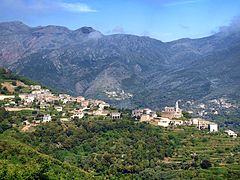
x: 172, y: 112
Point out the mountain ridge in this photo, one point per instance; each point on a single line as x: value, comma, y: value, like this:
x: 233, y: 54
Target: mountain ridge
x: 86, y: 62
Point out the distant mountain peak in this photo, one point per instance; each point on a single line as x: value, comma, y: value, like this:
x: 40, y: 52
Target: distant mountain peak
x: 13, y: 24
x: 86, y: 30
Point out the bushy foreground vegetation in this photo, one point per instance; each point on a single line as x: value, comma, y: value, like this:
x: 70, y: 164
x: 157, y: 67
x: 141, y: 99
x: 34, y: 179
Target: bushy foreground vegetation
x: 19, y: 161
x: 115, y: 149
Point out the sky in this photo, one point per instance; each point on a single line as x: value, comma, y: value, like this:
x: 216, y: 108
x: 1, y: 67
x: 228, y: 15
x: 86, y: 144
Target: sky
x: 165, y: 20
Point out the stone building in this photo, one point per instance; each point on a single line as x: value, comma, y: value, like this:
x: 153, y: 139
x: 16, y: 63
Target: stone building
x: 145, y: 118
x: 172, y: 112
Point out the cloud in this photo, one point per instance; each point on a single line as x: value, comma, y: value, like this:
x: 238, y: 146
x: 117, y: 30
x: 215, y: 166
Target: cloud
x: 177, y: 3
x: 42, y: 6
x: 234, y: 27
x: 118, y: 30
x: 76, y: 7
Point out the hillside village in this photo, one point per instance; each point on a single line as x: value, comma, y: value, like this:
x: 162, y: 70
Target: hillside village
x: 64, y: 107
x: 173, y: 116
x: 91, y: 132
x: 213, y: 106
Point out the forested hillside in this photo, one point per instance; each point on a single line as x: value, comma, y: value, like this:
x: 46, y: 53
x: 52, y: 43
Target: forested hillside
x: 118, y: 149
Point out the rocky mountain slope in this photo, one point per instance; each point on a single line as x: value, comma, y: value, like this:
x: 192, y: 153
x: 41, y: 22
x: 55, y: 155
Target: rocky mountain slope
x: 125, y: 70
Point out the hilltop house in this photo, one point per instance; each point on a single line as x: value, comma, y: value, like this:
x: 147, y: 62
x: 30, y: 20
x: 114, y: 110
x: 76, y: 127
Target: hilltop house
x: 64, y: 119
x: 164, y: 122
x: 231, y: 133
x: 115, y: 115
x: 203, y: 124
x: 59, y: 109
x: 213, y: 127
x: 80, y: 98
x: 84, y: 103
x: 2, y: 97
x: 103, y: 105
x: 35, y: 87
x: 146, y: 111
x: 78, y: 115
x: 200, y: 123
x: 137, y: 113
x: 176, y: 122
x: 42, y: 106
x: 145, y: 118
x: 47, y: 118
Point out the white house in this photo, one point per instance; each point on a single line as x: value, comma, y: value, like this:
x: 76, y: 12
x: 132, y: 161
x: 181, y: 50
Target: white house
x: 200, y: 123
x: 36, y: 92
x: 78, y: 115
x: 115, y: 115
x: 231, y: 133
x: 137, y: 113
x: 164, y: 122
x: 194, y: 121
x: 103, y: 105
x: 37, y: 87
x: 213, y: 127
x: 42, y: 106
x: 64, y: 119
x: 177, y: 122
x: 80, y: 98
x: 23, y: 96
x: 30, y: 98
x: 47, y: 118
x: 2, y: 97
x: 147, y: 111
x: 65, y: 101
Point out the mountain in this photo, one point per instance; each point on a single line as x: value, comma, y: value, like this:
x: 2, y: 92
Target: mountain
x: 125, y: 70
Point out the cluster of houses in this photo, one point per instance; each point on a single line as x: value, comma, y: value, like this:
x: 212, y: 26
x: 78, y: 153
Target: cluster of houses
x: 45, y: 98
x: 169, y: 117
x: 118, y: 94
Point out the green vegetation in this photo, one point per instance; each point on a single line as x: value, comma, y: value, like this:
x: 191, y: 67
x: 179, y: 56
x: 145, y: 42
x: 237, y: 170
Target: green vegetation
x: 19, y: 161
x: 99, y: 147
x: 115, y: 149
x: 7, y: 76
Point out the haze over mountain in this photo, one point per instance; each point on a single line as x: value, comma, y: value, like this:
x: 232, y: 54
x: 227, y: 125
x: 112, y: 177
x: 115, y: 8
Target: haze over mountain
x: 86, y: 62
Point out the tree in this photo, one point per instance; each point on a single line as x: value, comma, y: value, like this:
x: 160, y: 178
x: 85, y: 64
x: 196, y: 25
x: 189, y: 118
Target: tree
x: 206, y: 164
x: 187, y: 115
